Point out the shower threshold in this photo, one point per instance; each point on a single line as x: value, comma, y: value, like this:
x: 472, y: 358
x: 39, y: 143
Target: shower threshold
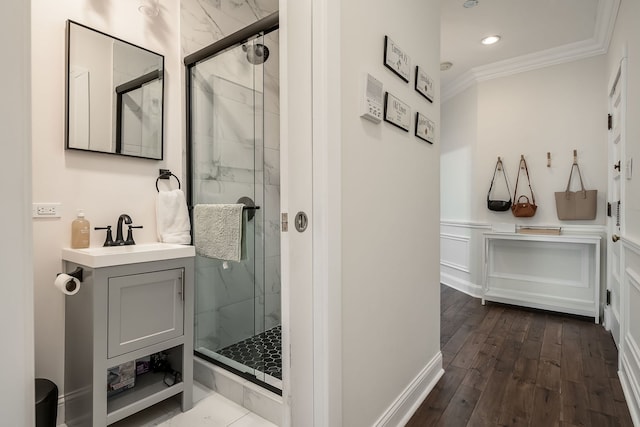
x: 257, y: 359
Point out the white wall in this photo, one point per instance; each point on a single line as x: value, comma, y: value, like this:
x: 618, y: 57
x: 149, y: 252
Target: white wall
x: 390, y: 210
x: 16, y: 304
x: 625, y: 38
x: 103, y: 185
x: 555, y: 109
x: 459, y: 133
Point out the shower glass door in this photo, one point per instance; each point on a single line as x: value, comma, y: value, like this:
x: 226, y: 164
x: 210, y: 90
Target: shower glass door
x: 237, y: 321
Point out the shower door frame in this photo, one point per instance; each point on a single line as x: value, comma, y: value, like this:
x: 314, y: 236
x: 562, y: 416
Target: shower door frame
x: 257, y: 29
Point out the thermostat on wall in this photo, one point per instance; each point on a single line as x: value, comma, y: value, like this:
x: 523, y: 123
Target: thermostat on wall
x: 372, y: 99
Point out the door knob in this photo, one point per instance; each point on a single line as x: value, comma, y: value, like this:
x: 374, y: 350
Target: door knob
x: 615, y: 238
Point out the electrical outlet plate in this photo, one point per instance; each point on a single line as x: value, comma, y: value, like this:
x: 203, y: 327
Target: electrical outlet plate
x: 46, y: 210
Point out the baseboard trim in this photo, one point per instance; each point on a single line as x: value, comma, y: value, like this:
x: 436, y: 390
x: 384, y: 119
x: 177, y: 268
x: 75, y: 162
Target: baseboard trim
x: 60, y: 421
x: 407, y: 403
x: 630, y: 389
x: 463, y: 286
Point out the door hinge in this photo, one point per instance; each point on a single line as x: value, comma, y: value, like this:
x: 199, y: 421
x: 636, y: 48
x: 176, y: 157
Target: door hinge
x: 609, y: 209
x: 609, y: 122
x: 285, y: 221
x: 608, y: 297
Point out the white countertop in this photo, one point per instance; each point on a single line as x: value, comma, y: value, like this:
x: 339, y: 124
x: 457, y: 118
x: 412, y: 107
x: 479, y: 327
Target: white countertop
x: 132, y: 254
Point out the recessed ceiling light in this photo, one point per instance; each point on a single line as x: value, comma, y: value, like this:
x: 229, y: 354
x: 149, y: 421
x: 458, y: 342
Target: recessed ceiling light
x: 444, y: 66
x: 470, y: 3
x: 490, y: 40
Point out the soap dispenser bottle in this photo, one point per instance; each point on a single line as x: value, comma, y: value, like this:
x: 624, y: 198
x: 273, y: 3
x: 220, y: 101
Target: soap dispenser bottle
x: 80, y: 232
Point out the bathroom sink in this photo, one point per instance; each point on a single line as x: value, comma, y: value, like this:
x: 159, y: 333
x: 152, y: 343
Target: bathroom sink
x: 120, y: 255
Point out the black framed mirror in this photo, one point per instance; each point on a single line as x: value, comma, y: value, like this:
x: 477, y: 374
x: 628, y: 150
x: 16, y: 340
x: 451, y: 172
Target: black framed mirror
x: 114, y: 95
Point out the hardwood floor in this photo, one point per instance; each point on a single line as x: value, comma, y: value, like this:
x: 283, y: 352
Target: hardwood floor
x: 506, y: 366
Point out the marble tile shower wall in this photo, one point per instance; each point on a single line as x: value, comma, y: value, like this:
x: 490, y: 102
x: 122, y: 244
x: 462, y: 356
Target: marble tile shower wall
x: 229, y: 308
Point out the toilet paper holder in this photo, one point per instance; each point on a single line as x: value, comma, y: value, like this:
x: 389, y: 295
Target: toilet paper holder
x: 78, y: 273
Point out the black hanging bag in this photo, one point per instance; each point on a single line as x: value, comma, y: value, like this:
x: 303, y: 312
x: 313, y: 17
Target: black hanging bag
x: 498, y: 205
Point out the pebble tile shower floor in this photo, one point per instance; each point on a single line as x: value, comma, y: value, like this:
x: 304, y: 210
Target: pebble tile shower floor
x: 262, y: 352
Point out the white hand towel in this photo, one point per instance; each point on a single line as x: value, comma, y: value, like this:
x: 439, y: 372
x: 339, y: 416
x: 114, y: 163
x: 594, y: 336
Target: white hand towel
x: 217, y: 231
x: 172, y: 218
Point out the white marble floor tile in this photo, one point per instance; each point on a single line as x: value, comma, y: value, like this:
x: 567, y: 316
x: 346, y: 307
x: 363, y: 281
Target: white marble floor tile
x: 200, y: 392
x: 210, y: 409
x: 251, y: 420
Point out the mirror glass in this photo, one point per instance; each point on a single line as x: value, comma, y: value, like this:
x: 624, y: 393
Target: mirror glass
x: 114, y: 95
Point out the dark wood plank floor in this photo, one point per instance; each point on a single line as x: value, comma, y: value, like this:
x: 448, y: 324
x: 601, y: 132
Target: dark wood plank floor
x: 506, y: 366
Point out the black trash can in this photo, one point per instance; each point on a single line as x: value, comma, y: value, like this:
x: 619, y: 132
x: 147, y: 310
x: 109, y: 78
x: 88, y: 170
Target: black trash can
x: 46, y: 403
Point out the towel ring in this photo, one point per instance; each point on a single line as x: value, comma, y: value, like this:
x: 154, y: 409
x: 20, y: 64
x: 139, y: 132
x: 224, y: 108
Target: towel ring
x: 166, y: 174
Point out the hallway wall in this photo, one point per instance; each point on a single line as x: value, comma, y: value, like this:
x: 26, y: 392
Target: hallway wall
x: 103, y: 185
x: 554, y: 109
x: 390, y: 186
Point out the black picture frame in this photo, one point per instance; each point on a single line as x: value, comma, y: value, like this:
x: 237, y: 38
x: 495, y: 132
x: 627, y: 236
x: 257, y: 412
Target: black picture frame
x: 425, y: 128
x: 397, y: 60
x: 397, y: 112
x: 424, y: 84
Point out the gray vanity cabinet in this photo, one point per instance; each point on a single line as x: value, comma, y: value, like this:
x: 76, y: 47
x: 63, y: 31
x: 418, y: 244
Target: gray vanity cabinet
x: 125, y: 313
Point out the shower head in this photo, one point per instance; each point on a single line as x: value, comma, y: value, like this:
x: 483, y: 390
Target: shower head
x: 257, y: 53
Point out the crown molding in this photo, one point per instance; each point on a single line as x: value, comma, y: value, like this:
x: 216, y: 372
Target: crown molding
x: 597, y: 45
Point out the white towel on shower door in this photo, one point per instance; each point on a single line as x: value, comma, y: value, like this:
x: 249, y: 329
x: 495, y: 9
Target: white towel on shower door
x: 217, y: 231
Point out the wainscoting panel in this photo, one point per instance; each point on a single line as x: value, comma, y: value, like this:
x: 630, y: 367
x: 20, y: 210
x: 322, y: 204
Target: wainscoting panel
x: 458, y: 249
x: 454, y: 252
x: 630, y: 329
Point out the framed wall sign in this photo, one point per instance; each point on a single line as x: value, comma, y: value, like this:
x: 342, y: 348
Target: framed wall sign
x: 425, y: 128
x: 396, y: 59
x: 397, y: 112
x: 424, y: 84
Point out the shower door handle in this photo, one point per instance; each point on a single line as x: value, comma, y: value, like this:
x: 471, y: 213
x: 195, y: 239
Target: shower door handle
x: 301, y: 221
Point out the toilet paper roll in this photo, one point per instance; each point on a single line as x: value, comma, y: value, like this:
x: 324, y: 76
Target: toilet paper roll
x: 68, y: 285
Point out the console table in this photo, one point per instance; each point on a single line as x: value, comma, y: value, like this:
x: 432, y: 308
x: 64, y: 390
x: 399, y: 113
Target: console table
x: 558, y: 273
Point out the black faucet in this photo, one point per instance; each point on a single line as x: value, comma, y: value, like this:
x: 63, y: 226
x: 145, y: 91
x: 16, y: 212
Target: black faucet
x: 119, y: 239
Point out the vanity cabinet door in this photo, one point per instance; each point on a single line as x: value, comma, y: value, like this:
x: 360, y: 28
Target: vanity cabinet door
x: 144, y: 309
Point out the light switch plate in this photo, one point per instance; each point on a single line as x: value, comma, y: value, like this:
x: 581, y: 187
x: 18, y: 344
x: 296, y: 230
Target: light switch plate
x: 629, y: 168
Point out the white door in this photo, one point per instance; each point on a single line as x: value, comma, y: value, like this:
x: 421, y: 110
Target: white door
x: 615, y: 218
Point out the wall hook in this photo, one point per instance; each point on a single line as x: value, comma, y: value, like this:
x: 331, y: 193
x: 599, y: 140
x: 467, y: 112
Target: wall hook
x: 548, y: 159
x: 575, y: 157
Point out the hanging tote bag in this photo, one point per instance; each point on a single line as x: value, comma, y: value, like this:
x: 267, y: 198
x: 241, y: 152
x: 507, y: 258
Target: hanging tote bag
x: 523, y: 207
x: 576, y: 205
x: 498, y: 205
